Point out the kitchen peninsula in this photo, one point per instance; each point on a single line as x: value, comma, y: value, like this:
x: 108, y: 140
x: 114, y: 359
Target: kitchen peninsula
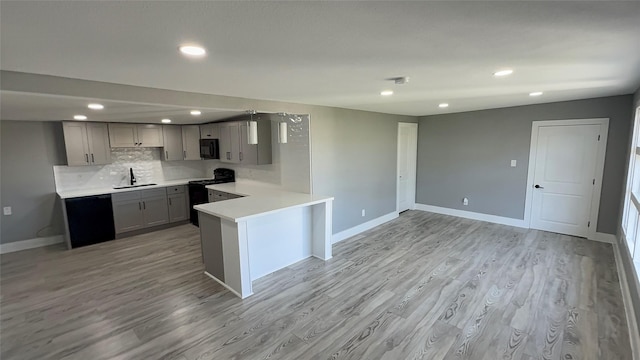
x: 264, y: 230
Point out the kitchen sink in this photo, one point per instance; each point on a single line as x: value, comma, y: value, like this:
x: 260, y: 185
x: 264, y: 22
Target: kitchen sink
x: 132, y: 186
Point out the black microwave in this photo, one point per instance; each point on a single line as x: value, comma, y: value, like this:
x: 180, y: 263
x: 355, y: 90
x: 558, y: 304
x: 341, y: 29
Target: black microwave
x: 209, y: 149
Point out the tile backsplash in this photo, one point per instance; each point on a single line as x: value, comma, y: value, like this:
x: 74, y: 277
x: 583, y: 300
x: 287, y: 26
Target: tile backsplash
x: 145, y: 162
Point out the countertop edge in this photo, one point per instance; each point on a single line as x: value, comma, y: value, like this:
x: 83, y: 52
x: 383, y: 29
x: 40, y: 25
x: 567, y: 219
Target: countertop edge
x: 70, y: 194
x: 201, y: 208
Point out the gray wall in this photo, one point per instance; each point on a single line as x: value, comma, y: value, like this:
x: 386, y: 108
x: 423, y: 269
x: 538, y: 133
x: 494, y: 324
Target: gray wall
x: 354, y: 158
x: 468, y: 154
x: 353, y: 153
x: 28, y: 151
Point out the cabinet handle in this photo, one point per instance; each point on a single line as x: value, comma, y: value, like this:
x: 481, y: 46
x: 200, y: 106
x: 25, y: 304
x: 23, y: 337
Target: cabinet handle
x: 240, y: 155
x: 228, y: 155
x: 184, y: 154
x: 86, y: 157
x: 169, y: 201
x: 92, y: 159
x: 139, y: 206
x: 144, y: 205
x: 166, y: 155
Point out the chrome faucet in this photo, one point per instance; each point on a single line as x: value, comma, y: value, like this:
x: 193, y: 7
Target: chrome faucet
x: 132, y: 179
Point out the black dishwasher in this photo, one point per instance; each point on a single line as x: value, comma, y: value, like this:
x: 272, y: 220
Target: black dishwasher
x: 90, y: 220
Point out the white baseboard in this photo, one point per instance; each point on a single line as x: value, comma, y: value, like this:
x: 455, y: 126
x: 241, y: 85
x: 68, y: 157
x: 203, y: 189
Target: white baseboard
x: 632, y: 324
x: 345, y: 234
x: 473, y: 215
x: 30, y: 244
x: 605, y: 238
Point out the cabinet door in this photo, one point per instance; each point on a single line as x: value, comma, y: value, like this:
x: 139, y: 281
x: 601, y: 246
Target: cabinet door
x: 230, y: 142
x: 75, y: 142
x: 99, y: 149
x: 149, y: 135
x: 172, y: 142
x: 127, y: 215
x: 209, y: 131
x: 225, y: 143
x: 123, y: 135
x: 191, y: 142
x: 156, y: 210
x: 248, y: 152
x: 178, y: 207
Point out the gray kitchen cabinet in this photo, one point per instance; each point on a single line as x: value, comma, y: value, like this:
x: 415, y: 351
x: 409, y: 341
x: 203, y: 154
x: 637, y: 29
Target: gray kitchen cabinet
x: 155, y: 209
x: 172, y: 140
x: 191, y: 142
x: 86, y: 143
x: 178, y: 204
x: 216, y: 195
x: 127, y: 211
x: 209, y: 131
x: 260, y: 153
x: 234, y: 142
x: 230, y: 142
x: 135, y: 135
x: 139, y: 209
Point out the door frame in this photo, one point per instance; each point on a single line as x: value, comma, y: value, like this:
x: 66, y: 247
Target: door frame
x: 597, y: 188
x: 414, y: 127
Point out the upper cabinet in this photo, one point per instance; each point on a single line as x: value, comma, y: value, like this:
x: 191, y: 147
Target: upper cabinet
x: 209, y: 131
x: 235, y: 147
x: 181, y: 142
x: 135, y: 135
x: 86, y: 143
x: 191, y: 142
x: 172, y: 143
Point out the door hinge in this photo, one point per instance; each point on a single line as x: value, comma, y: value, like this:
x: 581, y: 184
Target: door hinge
x: 598, y: 137
x: 588, y: 223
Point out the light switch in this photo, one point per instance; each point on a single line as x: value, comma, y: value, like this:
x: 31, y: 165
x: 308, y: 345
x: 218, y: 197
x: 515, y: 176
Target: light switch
x: 7, y: 210
x: 513, y: 163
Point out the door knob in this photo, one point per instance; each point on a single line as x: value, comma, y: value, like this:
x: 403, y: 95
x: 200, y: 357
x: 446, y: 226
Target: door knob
x: 538, y: 187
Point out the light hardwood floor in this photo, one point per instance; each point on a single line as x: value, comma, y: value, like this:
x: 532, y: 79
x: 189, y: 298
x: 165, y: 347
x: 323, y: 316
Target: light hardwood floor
x: 424, y: 286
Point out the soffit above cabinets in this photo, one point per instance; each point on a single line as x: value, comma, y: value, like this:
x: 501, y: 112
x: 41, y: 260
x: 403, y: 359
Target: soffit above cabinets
x: 43, y: 107
x: 337, y: 53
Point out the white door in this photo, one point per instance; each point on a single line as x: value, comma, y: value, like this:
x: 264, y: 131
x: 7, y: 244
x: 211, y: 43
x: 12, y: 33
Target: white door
x: 407, y: 157
x: 564, y: 178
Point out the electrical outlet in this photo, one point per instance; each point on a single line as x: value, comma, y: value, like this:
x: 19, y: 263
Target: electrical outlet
x: 363, y: 212
x: 513, y: 163
x: 465, y: 201
x: 7, y: 210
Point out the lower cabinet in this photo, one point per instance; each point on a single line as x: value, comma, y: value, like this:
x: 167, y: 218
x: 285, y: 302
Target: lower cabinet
x: 178, y: 204
x: 140, y: 209
x: 216, y: 195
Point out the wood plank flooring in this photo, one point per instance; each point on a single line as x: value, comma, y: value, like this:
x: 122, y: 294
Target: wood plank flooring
x: 424, y: 286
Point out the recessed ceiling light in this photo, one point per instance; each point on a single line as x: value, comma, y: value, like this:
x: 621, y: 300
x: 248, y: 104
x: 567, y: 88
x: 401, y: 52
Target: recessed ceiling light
x: 95, y: 106
x: 503, y: 72
x: 192, y: 50
x: 443, y: 105
x: 79, y: 117
x: 386, y: 92
x: 195, y: 112
x: 166, y: 121
x: 535, y: 93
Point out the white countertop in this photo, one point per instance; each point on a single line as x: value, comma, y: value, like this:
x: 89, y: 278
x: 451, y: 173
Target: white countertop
x: 258, y: 200
x: 66, y: 194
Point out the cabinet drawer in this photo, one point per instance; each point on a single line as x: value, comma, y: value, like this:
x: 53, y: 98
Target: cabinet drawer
x: 218, y: 195
x: 153, y: 192
x: 175, y: 189
x: 126, y: 196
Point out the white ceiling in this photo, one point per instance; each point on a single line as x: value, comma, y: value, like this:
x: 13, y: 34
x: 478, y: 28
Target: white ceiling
x: 337, y: 53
